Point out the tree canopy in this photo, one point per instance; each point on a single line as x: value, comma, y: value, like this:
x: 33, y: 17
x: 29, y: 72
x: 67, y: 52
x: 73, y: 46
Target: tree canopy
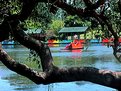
x: 101, y: 12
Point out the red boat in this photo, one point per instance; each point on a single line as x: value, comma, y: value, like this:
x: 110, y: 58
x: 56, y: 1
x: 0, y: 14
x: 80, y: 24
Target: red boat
x: 76, y: 44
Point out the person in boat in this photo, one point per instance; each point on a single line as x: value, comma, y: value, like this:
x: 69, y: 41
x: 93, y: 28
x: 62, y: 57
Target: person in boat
x: 76, y: 40
x: 76, y: 44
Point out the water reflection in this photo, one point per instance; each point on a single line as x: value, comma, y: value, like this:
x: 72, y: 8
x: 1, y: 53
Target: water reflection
x: 94, y: 56
x: 53, y: 45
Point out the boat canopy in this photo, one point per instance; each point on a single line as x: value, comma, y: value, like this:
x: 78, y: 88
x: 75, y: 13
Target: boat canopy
x: 65, y: 32
x: 80, y: 30
x: 34, y: 31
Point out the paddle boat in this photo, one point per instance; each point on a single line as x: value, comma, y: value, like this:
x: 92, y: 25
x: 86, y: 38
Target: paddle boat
x: 76, y: 44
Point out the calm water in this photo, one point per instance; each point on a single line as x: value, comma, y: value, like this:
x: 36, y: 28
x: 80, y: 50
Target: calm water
x: 96, y: 56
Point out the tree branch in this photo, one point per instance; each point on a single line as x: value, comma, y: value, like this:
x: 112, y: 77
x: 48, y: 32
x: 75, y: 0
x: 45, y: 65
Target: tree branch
x: 119, y: 5
x: 94, y: 6
x: 98, y: 4
x: 41, y: 49
x: 102, y: 77
x: 28, y: 6
x: 21, y: 69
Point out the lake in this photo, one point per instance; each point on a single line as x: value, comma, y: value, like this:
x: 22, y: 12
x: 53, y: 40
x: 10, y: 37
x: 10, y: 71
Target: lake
x: 97, y: 55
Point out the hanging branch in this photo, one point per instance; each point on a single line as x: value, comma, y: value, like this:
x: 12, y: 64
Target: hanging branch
x: 28, y: 6
x: 119, y: 5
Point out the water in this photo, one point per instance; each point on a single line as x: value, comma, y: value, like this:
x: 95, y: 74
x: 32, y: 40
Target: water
x: 96, y: 56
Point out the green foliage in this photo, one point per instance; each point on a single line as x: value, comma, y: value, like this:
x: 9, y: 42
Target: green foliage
x: 113, y: 14
x: 75, y: 21
x: 15, y: 6
x: 33, y: 60
x: 9, y: 7
x: 32, y: 24
x: 41, y: 15
x: 56, y: 25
